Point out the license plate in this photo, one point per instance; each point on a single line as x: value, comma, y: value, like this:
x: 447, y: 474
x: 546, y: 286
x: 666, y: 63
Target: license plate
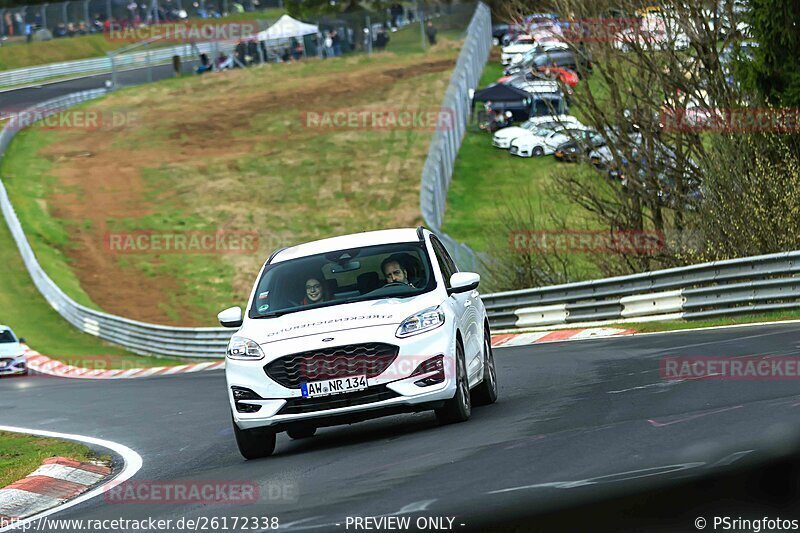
x: 333, y: 386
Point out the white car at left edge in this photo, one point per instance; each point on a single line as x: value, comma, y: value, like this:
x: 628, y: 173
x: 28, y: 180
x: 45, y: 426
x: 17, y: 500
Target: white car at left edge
x: 13, y: 360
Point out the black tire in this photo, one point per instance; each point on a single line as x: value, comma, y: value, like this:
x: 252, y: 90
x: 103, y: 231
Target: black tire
x: 486, y: 392
x: 301, y: 433
x: 459, y: 408
x: 538, y: 151
x: 254, y: 443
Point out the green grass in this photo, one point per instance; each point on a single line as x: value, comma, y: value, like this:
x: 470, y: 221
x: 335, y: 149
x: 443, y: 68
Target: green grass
x: 21, y: 54
x: 22, y: 454
x: 24, y: 309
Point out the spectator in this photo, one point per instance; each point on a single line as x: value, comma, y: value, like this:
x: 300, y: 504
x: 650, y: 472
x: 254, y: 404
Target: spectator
x: 431, y: 33
x: 224, y: 62
x: 297, y: 49
x: 396, y: 11
x: 71, y: 29
x: 9, y: 23
x: 28, y: 32
x: 381, y: 39
x: 82, y: 29
x: 336, y: 41
x: 328, y: 51
x: 132, y: 8
x: 239, y: 54
x: 252, y: 51
x: 286, y: 55
x: 205, y: 64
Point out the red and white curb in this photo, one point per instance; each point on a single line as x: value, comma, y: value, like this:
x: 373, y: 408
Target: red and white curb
x: 57, y: 480
x: 44, y: 365
x: 537, y: 337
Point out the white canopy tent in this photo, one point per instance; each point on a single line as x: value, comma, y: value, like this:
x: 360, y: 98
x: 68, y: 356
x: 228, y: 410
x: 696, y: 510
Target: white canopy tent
x: 285, y: 28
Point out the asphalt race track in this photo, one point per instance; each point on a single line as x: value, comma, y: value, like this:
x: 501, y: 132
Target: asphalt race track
x: 582, y: 431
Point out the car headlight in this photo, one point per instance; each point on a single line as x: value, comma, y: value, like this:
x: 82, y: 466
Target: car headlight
x: 425, y: 320
x: 244, y: 348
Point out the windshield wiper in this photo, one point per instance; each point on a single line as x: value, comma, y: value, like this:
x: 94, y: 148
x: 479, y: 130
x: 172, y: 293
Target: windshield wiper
x: 275, y: 314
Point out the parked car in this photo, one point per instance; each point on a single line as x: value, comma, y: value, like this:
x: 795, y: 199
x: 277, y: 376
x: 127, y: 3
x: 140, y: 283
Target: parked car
x: 562, y: 58
x: 518, y: 46
x: 525, y: 61
x: 356, y: 327
x: 503, y: 138
x: 579, y: 147
x: 499, y: 31
x: 13, y: 360
x: 541, y: 142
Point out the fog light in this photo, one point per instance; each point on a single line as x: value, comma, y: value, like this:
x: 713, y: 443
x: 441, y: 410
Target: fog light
x: 434, y: 364
x: 241, y: 393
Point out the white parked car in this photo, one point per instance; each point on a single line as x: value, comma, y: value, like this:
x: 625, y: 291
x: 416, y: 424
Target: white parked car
x: 543, y: 141
x: 502, y: 138
x: 518, y: 47
x: 13, y: 360
x: 356, y: 327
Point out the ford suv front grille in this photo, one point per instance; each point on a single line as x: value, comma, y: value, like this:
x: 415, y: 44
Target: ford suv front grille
x: 368, y: 359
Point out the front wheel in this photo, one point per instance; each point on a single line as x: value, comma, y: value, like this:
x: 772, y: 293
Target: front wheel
x: 459, y: 408
x: 486, y: 392
x: 538, y: 151
x: 254, y: 443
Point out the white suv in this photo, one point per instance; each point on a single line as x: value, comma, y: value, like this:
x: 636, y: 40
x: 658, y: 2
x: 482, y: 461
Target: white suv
x: 356, y: 327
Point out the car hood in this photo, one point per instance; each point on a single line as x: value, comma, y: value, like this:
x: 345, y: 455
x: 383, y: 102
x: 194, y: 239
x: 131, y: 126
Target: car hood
x: 510, y: 133
x: 10, y: 349
x: 357, y: 315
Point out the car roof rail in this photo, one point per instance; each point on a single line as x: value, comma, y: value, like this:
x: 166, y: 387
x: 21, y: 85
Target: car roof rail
x: 420, y: 233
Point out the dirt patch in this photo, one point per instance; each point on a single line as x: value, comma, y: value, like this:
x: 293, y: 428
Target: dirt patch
x: 103, y: 172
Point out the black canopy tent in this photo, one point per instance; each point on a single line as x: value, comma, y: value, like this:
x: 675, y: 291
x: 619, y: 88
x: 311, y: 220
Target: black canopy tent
x: 506, y: 98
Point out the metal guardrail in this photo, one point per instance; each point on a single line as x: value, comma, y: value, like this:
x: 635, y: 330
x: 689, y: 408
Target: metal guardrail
x: 100, y: 65
x: 746, y: 285
x: 438, y: 170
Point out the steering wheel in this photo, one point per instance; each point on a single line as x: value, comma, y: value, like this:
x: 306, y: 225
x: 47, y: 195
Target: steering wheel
x: 395, y: 283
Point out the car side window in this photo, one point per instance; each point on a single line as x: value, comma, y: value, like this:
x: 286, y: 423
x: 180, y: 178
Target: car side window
x: 446, y: 264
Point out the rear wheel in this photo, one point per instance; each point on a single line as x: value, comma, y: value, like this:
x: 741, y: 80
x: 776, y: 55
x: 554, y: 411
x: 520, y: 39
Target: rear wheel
x: 459, y: 408
x: 254, y: 443
x: 301, y: 433
x: 538, y: 151
x: 486, y: 392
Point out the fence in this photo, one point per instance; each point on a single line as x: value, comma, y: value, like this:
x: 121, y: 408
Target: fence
x: 746, y: 285
x: 438, y: 170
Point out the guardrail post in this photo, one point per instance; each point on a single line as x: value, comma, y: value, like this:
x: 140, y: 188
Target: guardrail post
x: 43, y: 14
x: 148, y: 66
x: 64, y: 14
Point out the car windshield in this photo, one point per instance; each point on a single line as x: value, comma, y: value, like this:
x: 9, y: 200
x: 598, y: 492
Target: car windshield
x: 7, y: 336
x: 344, y: 276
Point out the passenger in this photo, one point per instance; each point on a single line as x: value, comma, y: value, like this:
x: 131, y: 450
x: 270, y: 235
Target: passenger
x: 394, y: 272
x: 314, y: 292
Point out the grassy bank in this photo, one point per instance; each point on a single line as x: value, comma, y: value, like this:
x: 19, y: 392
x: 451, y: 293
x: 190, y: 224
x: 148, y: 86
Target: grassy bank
x: 22, y: 454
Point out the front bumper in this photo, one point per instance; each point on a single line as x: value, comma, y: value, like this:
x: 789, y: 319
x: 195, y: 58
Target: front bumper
x: 13, y: 366
x: 392, y: 391
x: 520, y: 152
x: 501, y: 143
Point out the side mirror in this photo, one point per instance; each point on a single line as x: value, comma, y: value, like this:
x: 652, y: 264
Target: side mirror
x: 231, y: 317
x: 463, y: 282
x: 22, y: 340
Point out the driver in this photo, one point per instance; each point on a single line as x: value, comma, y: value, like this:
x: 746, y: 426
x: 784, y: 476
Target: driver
x: 394, y: 272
